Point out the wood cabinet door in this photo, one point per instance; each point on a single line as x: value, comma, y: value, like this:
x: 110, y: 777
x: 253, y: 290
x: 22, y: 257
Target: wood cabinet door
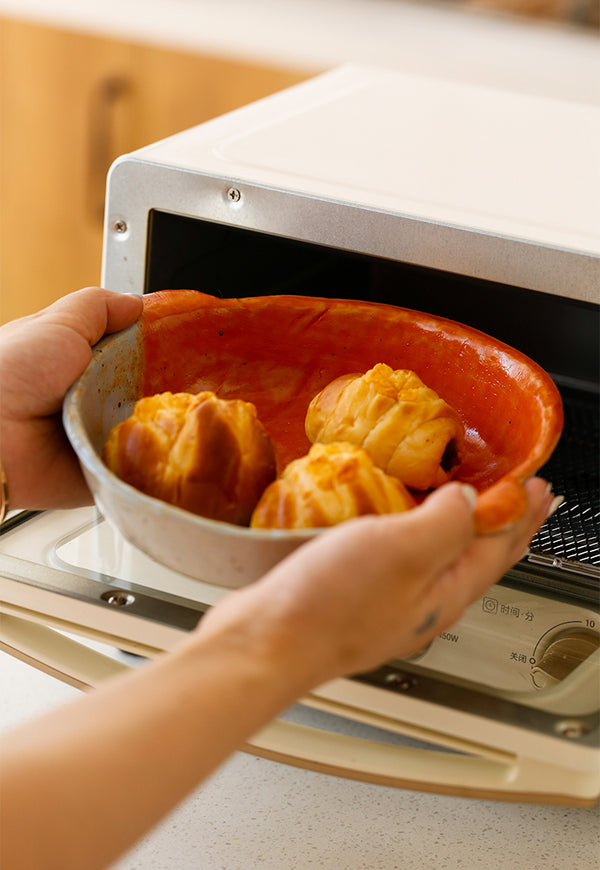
x: 69, y: 104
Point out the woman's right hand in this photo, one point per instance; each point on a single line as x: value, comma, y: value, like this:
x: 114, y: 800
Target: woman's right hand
x: 376, y: 588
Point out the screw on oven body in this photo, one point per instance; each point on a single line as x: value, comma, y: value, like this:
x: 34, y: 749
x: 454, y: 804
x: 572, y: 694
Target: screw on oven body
x: 120, y: 226
x: 233, y: 194
x: 400, y: 681
x: 572, y: 728
x: 117, y: 598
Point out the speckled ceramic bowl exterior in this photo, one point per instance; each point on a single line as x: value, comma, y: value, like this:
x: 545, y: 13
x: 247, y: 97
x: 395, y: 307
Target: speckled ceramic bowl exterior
x: 278, y: 352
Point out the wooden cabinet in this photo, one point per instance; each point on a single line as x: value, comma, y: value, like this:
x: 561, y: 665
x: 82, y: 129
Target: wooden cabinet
x: 69, y: 104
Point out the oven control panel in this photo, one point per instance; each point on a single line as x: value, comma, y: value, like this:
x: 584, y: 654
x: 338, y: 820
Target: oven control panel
x: 515, y: 640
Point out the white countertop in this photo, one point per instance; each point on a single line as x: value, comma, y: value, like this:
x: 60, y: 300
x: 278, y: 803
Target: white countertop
x: 431, y: 37
x: 258, y: 814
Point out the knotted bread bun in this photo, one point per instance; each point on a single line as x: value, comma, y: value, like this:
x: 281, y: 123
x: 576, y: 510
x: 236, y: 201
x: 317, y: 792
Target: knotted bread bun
x: 409, y: 431
x: 333, y: 483
x: 208, y: 455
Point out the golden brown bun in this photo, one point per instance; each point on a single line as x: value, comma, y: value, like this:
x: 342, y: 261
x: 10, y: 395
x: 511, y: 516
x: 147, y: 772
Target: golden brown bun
x: 333, y: 483
x: 408, y: 430
x: 207, y: 455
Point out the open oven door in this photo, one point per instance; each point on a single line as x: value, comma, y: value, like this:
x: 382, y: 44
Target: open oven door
x: 409, y: 728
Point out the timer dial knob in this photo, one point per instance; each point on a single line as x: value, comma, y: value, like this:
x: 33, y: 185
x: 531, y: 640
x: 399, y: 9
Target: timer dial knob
x: 563, y: 652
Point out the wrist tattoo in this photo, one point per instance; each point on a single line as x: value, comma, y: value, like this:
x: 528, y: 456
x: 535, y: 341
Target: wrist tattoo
x: 428, y: 622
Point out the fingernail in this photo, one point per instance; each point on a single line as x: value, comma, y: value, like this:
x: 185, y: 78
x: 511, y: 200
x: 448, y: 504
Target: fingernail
x: 555, y: 504
x: 470, y: 494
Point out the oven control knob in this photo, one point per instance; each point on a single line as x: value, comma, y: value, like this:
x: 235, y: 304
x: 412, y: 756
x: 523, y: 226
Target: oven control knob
x: 563, y: 652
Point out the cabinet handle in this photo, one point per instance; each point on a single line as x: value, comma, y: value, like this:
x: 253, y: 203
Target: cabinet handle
x: 107, y: 135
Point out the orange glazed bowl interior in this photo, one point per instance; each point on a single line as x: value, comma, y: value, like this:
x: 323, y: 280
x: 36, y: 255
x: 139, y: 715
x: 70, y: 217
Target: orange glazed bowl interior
x: 278, y: 352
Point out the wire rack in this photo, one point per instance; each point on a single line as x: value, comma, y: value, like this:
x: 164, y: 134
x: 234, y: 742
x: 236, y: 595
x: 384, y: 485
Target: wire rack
x: 573, y: 532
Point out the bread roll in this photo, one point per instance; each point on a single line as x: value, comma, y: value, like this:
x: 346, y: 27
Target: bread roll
x: 409, y: 431
x: 207, y: 455
x: 333, y: 483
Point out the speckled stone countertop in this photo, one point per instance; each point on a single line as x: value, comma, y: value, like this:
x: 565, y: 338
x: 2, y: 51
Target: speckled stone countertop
x: 258, y: 814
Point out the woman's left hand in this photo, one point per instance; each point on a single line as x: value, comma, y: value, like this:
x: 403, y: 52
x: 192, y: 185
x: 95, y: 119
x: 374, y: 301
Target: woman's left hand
x: 40, y: 357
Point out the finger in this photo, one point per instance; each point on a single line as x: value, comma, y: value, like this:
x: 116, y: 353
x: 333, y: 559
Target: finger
x: 483, y: 562
x: 416, y: 544
x: 439, y: 529
x: 498, y: 552
x: 94, y: 311
x: 122, y: 310
x: 488, y: 558
x: 43, y: 353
